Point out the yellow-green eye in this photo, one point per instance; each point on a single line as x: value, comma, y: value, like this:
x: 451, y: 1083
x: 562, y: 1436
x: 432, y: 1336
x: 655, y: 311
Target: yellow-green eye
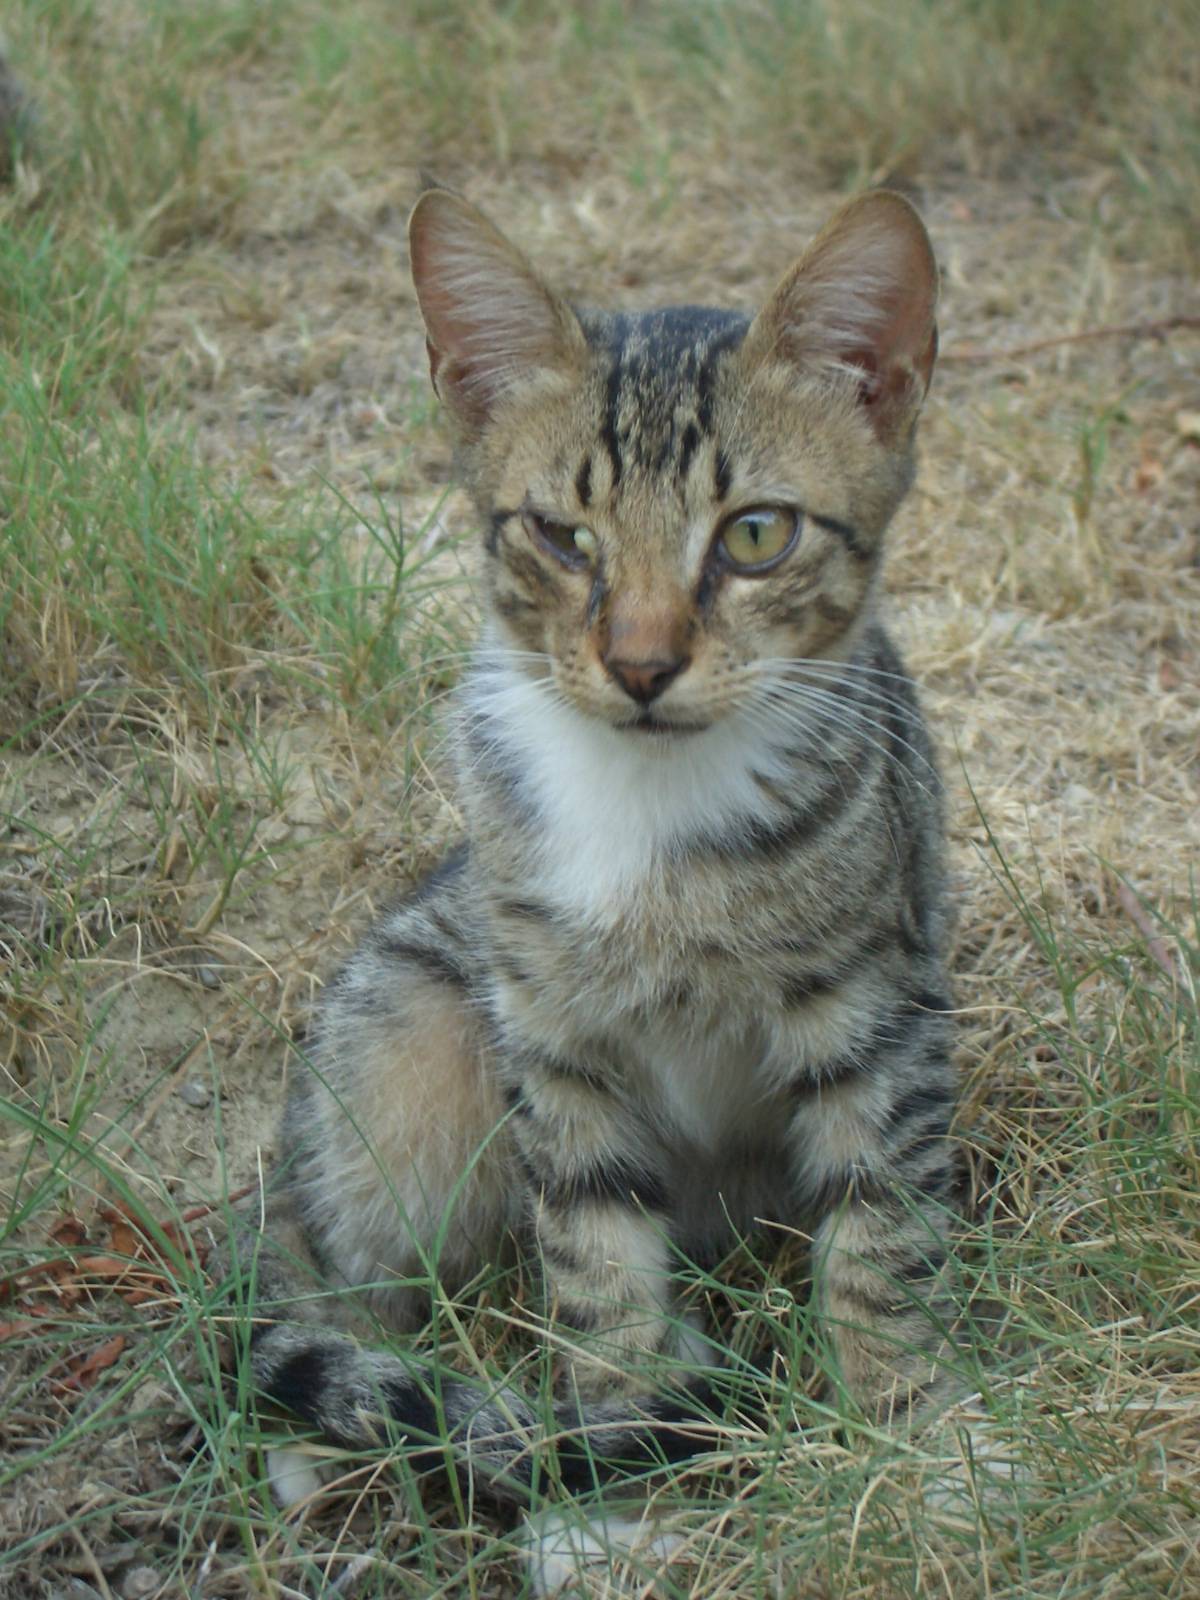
x: 574, y: 547
x: 757, y: 539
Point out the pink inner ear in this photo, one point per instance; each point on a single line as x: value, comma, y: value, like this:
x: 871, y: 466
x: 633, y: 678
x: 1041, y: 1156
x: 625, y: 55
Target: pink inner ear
x: 491, y: 322
x: 861, y: 298
x: 870, y: 385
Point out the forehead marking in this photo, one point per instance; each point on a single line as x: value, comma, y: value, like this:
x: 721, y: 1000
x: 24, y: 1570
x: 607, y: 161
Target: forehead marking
x: 722, y: 473
x: 659, y: 386
x: 583, y: 482
x: 687, y: 448
x: 609, y: 436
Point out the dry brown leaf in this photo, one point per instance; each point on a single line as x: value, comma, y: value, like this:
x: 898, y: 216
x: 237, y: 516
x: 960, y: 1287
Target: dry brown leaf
x: 84, y: 1370
x: 102, y: 1266
x: 69, y: 1231
x: 1150, y: 470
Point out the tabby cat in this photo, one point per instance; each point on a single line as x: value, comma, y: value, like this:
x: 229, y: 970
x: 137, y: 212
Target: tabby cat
x: 686, y: 972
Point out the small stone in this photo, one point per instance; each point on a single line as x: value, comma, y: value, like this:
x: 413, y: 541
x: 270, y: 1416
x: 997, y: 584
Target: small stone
x: 150, y: 1396
x: 195, y: 1094
x: 209, y: 977
x: 139, y: 1582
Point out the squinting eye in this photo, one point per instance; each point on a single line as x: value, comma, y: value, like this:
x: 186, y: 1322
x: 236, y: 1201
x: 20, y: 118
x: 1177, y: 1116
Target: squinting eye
x: 574, y: 547
x: 757, y: 539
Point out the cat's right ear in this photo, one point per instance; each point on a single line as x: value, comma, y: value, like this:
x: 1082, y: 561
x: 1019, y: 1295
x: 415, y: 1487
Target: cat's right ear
x: 491, y: 324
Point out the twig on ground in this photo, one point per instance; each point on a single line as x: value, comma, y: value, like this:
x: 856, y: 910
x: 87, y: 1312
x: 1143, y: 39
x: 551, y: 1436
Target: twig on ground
x: 93, y: 1566
x: 1158, y: 947
x: 345, y: 1581
x: 1125, y: 330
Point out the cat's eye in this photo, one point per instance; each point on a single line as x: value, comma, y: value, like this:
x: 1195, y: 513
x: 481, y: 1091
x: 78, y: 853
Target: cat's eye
x: 757, y: 539
x: 575, y: 547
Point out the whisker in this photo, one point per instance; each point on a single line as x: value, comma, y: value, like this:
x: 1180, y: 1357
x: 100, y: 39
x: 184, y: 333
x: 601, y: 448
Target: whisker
x: 857, y: 707
x: 781, y: 701
x: 823, y: 664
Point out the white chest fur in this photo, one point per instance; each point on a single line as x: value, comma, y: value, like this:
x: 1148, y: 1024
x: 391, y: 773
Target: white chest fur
x: 613, y: 805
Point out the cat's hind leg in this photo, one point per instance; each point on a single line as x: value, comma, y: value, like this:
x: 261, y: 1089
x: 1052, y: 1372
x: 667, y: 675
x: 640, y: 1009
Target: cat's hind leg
x: 397, y: 1161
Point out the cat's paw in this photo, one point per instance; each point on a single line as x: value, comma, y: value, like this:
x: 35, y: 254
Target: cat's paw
x: 597, y: 1370
x: 634, y: 1358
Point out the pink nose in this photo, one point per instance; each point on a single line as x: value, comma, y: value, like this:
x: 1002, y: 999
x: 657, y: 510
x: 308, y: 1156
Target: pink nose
x: 644, y: 681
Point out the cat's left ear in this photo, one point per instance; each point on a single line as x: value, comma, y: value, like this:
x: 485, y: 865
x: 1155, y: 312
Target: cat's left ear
x: 861, y: 301
x: 491, y: 322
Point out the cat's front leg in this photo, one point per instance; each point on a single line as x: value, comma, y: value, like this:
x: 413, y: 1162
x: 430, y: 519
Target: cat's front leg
x: 875, y: 1165
x: 600, y: 1215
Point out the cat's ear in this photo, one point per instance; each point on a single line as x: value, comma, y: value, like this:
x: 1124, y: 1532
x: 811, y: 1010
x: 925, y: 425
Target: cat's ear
x: 860, y: 300
x: 491, y: 322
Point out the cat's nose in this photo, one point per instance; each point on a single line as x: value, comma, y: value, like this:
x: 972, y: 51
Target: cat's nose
x: 644, y: 681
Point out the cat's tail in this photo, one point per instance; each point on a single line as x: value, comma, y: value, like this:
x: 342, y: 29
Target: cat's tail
x: 493, y: 1435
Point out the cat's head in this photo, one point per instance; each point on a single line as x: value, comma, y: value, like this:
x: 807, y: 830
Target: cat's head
x: 677, y: 499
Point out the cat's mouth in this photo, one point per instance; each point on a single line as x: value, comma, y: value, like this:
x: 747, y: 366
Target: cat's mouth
x: 648, y: 723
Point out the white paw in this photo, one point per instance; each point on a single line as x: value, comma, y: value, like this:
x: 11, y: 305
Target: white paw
x: 977, y: 1465
x: 294, y: 1475
x: 606, y: 1556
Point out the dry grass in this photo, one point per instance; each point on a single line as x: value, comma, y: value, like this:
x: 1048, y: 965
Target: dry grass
x: 230, y: 601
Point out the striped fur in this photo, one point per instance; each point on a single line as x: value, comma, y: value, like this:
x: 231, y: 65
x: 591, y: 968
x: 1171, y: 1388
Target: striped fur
x: 686, y: 972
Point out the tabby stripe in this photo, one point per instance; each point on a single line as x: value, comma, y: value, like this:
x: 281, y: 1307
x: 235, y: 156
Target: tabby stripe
x: 514, y: 1099
x: 526, y: 910
x: 831, y: 1075
x: 937, y: 1182
x: 800, y: 987
x: 583, y: 482
x: 530, y: 1059
x: 605, y: 1181
x: 557, y: 1254
x: 848, y: 535
x: 897, y: 1026
x: 797, y: 991
x: 892, y: 1034
x: 929, y: 1000
x: 922, y: 1144
x: 494, y: 764
x: 666, y: 1431
x: 430, y: 959
x: 448, y: 868
x: 510, y: 607
x: 609, y: 436
x: 829, y: 611
x: 722, y: 473
x: 413, y: 1414
x: 496, y: 527
x: 771, y: 789
x: 300, y: 1382
x: 527, y: 568
x: 801, y: 828
x: 440, y: 924
x: 872, y: 1306
x: 597, y: 597
x: 850, y: 1186
x: 917, y: 1269
x: 707, y: 375
x: 687, y: 449
x: 512, y: 969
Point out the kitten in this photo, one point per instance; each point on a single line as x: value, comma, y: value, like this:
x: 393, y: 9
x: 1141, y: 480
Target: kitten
x: 687, y: 971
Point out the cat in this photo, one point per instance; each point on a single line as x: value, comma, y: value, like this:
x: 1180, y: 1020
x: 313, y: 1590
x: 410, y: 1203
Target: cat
x: 686, y: 973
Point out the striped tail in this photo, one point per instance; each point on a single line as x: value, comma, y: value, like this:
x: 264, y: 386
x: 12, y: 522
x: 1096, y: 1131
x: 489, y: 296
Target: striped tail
x: 361, y: 1399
